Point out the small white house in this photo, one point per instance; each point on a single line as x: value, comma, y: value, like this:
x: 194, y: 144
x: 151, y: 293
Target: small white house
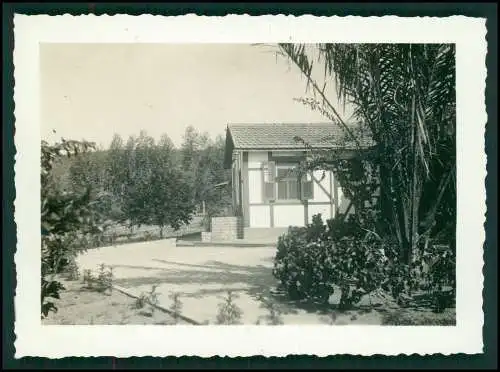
x: 267, y: 193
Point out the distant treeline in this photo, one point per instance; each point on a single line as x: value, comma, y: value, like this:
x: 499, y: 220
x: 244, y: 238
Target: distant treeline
x: 140, y: 181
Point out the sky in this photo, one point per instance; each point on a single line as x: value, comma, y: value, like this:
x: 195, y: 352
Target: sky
x: 92, y: 91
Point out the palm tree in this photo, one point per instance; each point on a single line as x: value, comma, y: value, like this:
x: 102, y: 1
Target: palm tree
x: 404, y: 94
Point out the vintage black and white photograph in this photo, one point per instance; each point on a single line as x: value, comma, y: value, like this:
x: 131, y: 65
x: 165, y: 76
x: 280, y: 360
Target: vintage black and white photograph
x: 249, y: 183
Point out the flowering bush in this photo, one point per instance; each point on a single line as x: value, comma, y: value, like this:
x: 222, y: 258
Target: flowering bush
x: 312, y: 261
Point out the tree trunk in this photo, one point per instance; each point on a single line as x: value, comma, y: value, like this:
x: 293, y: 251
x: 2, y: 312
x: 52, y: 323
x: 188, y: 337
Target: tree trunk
x: 428, y: 220
x: 415, y: 195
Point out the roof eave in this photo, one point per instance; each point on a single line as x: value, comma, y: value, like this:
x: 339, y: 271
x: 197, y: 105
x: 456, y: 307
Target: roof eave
x: 291, y: 148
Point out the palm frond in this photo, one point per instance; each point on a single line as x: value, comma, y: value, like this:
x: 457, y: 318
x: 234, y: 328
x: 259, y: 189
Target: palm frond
x: 405, y: 96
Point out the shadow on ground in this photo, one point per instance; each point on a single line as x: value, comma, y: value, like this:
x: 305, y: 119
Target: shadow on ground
x: 257, y: 281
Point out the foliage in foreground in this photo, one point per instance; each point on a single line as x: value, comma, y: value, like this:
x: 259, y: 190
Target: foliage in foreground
x: 414, y: 318
x: 176, y: 306
x: 313, y: 261
x: 230, y: 314
x: 102, y: 281
x: 66, y: 217
x: 404, y: 133
x: 148, y: 298
x: 84, y: 190
x: 404, y: 102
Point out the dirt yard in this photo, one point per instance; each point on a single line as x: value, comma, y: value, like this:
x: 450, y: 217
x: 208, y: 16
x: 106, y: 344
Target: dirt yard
x: 202, y: 277
x: 81, y: 306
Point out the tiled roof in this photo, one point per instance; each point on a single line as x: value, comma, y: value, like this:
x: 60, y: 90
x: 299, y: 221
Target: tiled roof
x: 282, y: 136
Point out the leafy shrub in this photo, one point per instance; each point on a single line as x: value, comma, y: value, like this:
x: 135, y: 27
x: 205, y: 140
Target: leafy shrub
x: 311, y: 261
x: 441, y: 262
x: 101, y: 282
x: 413, y: 318
x: 104, y: 280
x: 273, y: 316
x: 432, y: 271
x: 141, y: 301
x: 148, y: 298
x: 153, y: 298
x: 176, y: 306
x: 72, y: 270
x: 229, y: 313
x: 50, y: 290
x: 88, y: 278
x: 148, y: 236
x: 65, y: 218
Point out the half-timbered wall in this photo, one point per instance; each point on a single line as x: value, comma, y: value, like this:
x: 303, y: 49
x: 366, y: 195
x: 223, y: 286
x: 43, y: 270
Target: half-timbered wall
x: 268, y: 201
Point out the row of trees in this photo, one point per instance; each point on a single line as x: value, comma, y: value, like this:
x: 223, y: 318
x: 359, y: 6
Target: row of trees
x: 144, y: 182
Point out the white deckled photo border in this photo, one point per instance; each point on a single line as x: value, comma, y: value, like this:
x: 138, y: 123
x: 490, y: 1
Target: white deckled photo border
x: 33, y: 339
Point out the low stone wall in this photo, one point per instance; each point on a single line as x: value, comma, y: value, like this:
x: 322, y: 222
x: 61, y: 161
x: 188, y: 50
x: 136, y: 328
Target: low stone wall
x: 227, y: 228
